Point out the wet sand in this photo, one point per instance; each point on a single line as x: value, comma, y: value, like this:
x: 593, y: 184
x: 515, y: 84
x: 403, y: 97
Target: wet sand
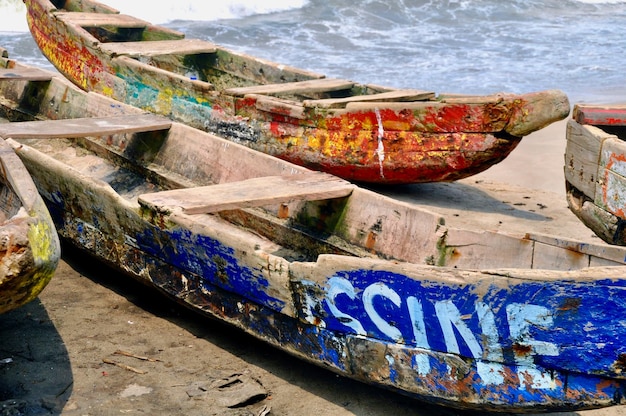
x: 97, y: 343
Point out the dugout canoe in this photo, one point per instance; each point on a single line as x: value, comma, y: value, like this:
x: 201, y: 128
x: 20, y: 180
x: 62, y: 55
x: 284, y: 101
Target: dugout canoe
x: 364, y: 133
x: 595, y: 169
x: 369, y: 287
x: 29, y: 245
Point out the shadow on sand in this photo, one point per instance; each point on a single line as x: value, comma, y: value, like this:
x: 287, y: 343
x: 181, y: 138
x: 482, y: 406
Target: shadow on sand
x: 464, y: 198
x: 35, y: 371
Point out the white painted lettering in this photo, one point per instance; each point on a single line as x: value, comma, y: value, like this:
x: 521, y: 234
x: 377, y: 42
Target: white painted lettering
x: 382, y: 290
x: 484, y: 345
x: 449, y: 317
x: 416, y: 313
x: 338, y: 286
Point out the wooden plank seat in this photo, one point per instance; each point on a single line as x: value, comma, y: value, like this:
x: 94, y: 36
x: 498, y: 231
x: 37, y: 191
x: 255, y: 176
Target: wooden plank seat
x: 250, y: 193
x: 26, y: 74
x: 396, y: 95
x: 309, y: 86
x: 277, y: 105
x: 159, y: 47
x: 101, y: 19
x: 83, y: 127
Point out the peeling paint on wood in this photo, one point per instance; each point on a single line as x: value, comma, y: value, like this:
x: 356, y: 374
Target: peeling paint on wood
x: 359, y: 132
x: 349, y: 283
x: 29, y: 245
x: 595, y: 169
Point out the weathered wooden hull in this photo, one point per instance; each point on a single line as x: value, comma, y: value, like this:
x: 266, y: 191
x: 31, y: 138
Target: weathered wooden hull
x: 366, y: 286
x: 29, y: 245
x: 595, y: 169
x: 383, y: 136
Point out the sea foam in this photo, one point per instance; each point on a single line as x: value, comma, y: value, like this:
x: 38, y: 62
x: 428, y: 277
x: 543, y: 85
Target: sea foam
x: 203, y: 10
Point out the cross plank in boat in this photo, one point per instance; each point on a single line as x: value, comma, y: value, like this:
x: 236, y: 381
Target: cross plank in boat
x: 82, y: 127
x: 250, y: 193
x: 272, y: 104
x: 26, y: 74
x: 396, y: 95
x: 159, y: 47
x: 101, y: 19
x: 314, y: 85
x: 614, y: 115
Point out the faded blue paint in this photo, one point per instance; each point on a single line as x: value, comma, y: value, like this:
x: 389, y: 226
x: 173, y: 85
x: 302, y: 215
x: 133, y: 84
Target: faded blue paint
x: 138, y: 93
x: 311, y: 342
x: 191, y: 112
x: 191, y: 253
x: 393, y: 372
x: 216, y: 263
x: 358, y: 357
x: 615, y: 283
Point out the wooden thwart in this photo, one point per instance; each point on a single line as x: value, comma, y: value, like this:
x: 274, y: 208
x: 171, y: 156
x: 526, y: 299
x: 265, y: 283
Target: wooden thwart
x: 159, y: 47
x: 397, y: 95
x: 311, y: 86
x: 278, y: 105
x: 250, y: 193
x: 101, y: 19
x: 82, y: 127
x: 26, y: 74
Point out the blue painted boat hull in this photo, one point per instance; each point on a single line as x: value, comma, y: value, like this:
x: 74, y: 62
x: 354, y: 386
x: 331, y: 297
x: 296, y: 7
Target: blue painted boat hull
x: 388, y: 295
x: 420, y: 337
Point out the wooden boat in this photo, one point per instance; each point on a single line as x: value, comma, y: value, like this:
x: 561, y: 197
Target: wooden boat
x: 595, y: 163
x: 370, y: 287
x: 359, y: 132
x: 29, y: 245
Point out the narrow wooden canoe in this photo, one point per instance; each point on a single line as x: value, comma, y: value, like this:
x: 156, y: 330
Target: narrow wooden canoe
x: 367, y: 286
x: 595, y: 169
x: 359, y: 132
x: 29, y: 245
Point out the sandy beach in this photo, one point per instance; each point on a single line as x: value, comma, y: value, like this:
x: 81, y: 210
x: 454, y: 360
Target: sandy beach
x: 97, y: 343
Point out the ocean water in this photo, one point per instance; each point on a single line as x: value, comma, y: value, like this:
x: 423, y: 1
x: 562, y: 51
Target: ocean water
x: 459, y: 46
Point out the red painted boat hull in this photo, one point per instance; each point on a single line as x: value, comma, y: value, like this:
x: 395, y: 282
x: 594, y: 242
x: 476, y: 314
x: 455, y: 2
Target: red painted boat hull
x: 430, y: 140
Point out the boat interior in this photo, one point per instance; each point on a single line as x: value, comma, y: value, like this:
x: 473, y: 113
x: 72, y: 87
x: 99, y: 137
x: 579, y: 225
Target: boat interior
x: 218, y: 68
x: 136, y: 161
x: 140, y: 156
